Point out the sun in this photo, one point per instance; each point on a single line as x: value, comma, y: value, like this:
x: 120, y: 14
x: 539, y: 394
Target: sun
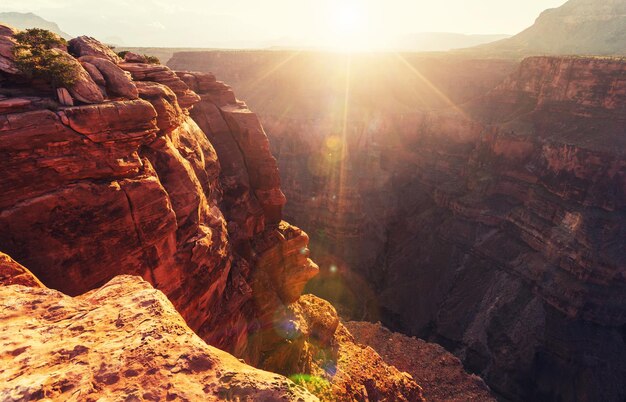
x: 348, y: 18
x: 349, y: 26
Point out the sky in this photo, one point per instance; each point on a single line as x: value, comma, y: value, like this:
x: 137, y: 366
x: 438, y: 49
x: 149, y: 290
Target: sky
x: 234, y: 23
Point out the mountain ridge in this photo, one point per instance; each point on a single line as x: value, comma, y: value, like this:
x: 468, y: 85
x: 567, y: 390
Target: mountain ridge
x: 585, y: 27
x: 31, y: 20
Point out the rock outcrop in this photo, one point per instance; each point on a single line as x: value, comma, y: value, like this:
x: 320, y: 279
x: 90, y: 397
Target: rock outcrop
x: 181, y: 189
x: 12, y: 273
x: 88, y: 46
x: 54, y: 350
x: 425, y: 362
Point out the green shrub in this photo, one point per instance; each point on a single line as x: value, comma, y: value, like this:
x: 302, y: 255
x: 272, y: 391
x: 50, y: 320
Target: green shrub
x: 122, y: 54
x: 35, y: 58
x: 152, y: 59
x: 39, y: 38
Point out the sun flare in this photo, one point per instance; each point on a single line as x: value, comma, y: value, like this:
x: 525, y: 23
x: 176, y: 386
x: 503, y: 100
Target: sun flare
x: 349, y: 27
x: 348, y: 18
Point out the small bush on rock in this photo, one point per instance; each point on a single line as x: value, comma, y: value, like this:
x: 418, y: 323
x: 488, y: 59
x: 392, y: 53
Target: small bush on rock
x: 152, y: 59
x: 35, y: 58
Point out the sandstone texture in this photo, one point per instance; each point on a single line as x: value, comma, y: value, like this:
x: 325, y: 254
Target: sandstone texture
x: 123, y: 341
x: 12, y: 273
x: 494, y: 226
x: 88, y: 46
x: 171, y: 179
x: 424, y: 361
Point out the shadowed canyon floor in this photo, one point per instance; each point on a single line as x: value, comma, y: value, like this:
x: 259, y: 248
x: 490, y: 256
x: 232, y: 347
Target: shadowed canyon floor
x: 487, y: 215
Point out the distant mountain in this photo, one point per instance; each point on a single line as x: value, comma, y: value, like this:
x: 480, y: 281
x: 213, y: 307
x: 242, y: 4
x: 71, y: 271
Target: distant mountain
x: 442, y: 41
x: 30, y: 20
x: 586, y: 27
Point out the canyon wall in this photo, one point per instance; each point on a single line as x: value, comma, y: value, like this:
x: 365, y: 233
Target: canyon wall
x: 138, y: 170
x: 494, y: 226
x: 496, y: 229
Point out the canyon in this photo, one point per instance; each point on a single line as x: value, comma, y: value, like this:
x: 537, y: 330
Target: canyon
x: 159, y: 240
x: 144, y: 255
x: 477, y: 203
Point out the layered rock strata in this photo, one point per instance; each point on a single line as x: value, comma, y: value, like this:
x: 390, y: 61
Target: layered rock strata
x: 494, y: 228
x: 131, y: 184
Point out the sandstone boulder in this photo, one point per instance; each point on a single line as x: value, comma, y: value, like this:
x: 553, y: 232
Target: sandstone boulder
x: 87, y: 46
x: 131, y: 57
x: 284, y: 255
x: 163, y: 75
x: 169, y: 113
x: 95, y: 74
x: 316, y: 350
x: 6, y: 49
x: 11, y: 105
x: 64, y: 97
x: 85, y: 89
x: 117, y: 82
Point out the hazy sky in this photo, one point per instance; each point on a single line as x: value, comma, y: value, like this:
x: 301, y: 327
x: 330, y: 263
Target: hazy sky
x: 321, y: 22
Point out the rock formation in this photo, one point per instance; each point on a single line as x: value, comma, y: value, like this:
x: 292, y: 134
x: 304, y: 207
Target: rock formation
x: 493, y: 227
x: 425, y: 362
x: 180, y: 188
x: 149, y: 354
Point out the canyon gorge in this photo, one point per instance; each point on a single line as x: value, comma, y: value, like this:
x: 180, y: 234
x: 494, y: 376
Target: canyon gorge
x: 144, y: 255
x: 366, y: 226
x: 476, y: 203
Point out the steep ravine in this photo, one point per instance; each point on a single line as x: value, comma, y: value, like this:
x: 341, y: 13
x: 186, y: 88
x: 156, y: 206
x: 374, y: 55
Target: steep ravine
x: 501, y: 241
x: 494, y: 227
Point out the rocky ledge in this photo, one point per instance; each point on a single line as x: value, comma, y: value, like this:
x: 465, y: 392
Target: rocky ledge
x: 122, y: 341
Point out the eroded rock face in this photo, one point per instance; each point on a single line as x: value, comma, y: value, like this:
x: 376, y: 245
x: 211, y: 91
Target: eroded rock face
x: 7, y: 42
x: 494, y: 229
x: 12, y: 273
x: 136, y: 186
x: 165, y: 76
x: 54, y: 349
x: 425, y: 362
x: 116, y: 80
x: 88, y: 46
